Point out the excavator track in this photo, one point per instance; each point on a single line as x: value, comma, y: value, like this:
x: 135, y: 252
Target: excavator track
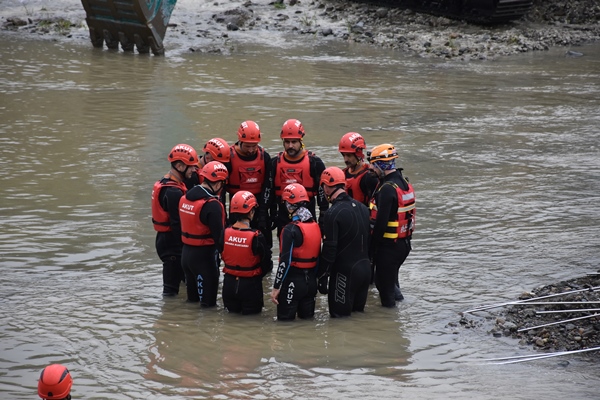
x: 131, y: 23
x: 476, y: 11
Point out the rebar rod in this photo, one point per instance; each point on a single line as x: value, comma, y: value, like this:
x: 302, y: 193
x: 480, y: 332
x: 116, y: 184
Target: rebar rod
x: 564, y: 311
x: 557, y: 323
x: 516, y: 357
x: 533, y: 358
x: 482, y: 308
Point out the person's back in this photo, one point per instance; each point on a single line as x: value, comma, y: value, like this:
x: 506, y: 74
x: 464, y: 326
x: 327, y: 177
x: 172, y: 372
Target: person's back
x: 352, y: 220
x: 344, y: 255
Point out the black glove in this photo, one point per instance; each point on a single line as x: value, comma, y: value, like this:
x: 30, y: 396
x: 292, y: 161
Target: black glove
x: 273, y: 222
x: 322, y: 283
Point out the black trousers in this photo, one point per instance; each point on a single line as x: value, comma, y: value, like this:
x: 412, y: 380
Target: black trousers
x: 298, y: 295
x: 243, y: 295
x: 389, y: 257
x: 172, y: 274
x: 349, y: 288
x: 201, y: 267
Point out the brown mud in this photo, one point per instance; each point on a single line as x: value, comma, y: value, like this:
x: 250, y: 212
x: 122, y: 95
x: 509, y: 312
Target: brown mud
x: 217, y: 26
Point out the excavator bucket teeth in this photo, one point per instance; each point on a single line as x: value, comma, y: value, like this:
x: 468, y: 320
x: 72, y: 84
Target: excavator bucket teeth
x: 139, y: 23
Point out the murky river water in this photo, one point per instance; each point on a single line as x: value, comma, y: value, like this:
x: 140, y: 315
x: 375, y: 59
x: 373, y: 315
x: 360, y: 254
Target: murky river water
x: 504, y: 157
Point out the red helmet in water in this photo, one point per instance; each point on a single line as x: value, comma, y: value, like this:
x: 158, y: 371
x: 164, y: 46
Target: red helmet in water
x: 242, y: 202
x: 249, y: 132
x: 354, y: 143
x: 333, y: 176
x: 218, y: 149
x: 292, y: 129
x: 294, y: 193
x: 55, y: 382
x: 184, y: 153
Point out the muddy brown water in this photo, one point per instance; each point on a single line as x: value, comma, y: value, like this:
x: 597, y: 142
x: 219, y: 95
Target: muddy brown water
x: 503, y: 156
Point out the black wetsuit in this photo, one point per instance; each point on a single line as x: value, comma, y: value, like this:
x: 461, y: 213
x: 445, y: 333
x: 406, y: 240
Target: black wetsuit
x: 201, y: 263
x: 388, y: 254
x: 298, y: 285
x: 168, y: 244
x: 345, y: 255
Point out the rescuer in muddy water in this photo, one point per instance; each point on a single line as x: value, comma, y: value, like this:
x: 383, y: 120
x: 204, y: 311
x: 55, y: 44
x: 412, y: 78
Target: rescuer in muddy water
x: 202, y: 223
x: 295, y: 286
x: 345, y: 252
x: 166, y: 194
x: 246, y: 257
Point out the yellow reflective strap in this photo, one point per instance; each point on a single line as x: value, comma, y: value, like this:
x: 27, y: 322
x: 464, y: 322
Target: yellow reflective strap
x: 390, y: 235
x: 407, y: 208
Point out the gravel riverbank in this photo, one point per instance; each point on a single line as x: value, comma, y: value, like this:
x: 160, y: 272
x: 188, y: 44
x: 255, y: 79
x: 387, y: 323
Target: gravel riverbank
x: 215, y: 26
x: 568, y: 321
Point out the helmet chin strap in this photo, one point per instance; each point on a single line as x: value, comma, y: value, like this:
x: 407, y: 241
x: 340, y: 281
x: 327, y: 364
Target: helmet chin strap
x: 210, y: 185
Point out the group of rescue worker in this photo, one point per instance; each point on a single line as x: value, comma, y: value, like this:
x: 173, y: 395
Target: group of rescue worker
x: 362, y: 233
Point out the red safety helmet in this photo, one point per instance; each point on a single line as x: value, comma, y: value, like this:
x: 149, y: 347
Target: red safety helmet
x: 382, y: 152
x: 214, y: 171
x: 218, y: 149
x: 292, y: 129
x: 184, y: 153
x: 333, y: 176
x: 242, y: 202
x: 55, y: 382
x: 294, y: 193
x: 353, y: 142
x: 249, y: 132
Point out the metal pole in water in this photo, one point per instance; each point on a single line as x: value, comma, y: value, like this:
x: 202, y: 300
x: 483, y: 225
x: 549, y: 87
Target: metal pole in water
x: 533, y: 358
x: 481, y: 308
x: 564, y: 311
x: 557, y: 323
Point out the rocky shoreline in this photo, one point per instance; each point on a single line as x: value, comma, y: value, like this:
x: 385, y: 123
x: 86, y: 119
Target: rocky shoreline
x: 572, y: 325
x: 213, y: 27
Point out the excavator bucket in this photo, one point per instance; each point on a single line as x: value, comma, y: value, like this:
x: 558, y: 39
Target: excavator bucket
x: 139, y: 23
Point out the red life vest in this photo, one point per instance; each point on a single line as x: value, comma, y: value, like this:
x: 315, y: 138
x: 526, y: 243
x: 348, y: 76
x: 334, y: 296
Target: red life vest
x: 353, y: 183
x: 404, y: 224
x: 160, y: 217
x: 193, y: 231
x: 246, y: 175
x: 288, y: 172
x: 237, y: 253
x: 306, y: 256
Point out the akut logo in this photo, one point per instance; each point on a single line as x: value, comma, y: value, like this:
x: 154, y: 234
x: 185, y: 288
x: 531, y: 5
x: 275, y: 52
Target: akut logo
x: 218, y: 143
x: 185, y: 206
x: 354, y: 136
x: 245, y: 125
x: 184, y: 147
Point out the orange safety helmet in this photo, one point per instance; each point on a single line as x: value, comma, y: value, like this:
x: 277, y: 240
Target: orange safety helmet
x: 382, y: 152
x: 55, y: 382
x: 242, y: 202
x: 333, y: 176
x: 353, y: 142
x: 249, y: 132
x: 294, y: 193
x: 218, y: 149
x: 214, y: 171
x: 184, y: 153
x: 292, y: 129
